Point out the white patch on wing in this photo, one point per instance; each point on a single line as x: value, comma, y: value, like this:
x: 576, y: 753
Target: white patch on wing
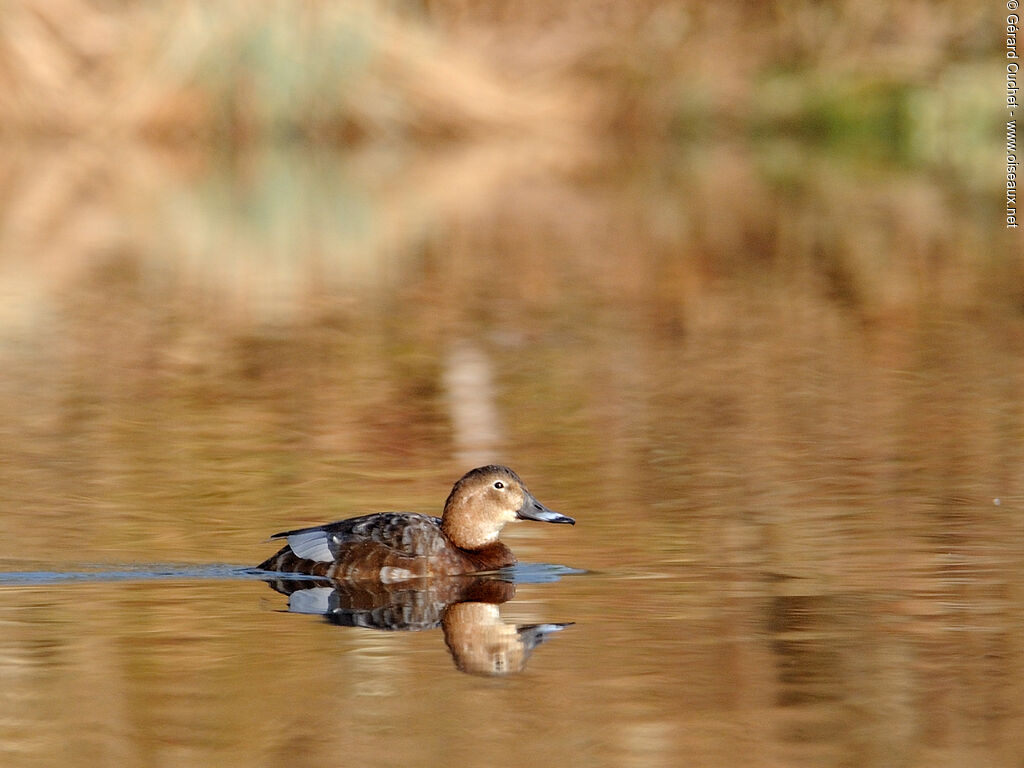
x: 315, y: 600
x: 311, y: 545
x: 389, y: 574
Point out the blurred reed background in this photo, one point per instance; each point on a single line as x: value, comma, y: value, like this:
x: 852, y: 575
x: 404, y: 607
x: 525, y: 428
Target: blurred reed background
x: 909, y: 78
x: 906, y: 79
x: 118, y: 118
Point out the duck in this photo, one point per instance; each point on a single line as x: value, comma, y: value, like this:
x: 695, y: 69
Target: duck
x: 391, y: 547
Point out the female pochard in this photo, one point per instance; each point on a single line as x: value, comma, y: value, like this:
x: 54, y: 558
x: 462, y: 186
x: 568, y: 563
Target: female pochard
x: 395, y: 546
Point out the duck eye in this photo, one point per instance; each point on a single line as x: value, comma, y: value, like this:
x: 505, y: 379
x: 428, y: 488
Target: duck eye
x: 499, y: 485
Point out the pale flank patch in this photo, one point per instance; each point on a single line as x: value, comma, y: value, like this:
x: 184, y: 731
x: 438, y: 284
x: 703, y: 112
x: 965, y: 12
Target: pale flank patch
x: 311, y: 545
x: 389, y: 574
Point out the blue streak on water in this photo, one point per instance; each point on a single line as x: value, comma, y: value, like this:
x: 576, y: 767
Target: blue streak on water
x: 523, y: 573
x: 536, y: 573
x: 149, y: 572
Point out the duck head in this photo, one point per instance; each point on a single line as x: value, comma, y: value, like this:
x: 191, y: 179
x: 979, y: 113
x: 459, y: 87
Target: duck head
x: 484, y: 500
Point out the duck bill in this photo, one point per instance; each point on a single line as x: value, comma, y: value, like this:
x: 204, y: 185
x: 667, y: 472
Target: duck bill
x: 534, y: 510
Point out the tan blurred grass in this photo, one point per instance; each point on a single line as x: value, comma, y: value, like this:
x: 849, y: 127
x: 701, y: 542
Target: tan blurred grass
x: 238, y: 70
x: 351, y: 72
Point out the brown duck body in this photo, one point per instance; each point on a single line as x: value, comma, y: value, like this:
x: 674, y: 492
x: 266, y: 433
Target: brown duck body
x: 389, y: 546
x: 396, y: 546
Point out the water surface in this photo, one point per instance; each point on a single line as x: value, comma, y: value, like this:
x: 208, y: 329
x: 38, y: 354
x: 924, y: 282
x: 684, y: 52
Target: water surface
x: 788, y: 423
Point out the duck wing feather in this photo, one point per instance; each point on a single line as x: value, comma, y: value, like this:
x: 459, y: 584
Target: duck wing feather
x: 404, y: 533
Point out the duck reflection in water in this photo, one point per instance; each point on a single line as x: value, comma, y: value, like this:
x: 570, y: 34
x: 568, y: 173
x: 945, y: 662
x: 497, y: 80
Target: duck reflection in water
x: 465, y: 607
x: 406, y: 571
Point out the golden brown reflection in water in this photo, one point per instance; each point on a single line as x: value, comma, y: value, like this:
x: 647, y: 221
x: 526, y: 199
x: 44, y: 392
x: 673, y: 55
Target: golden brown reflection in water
x: 788, y: 422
